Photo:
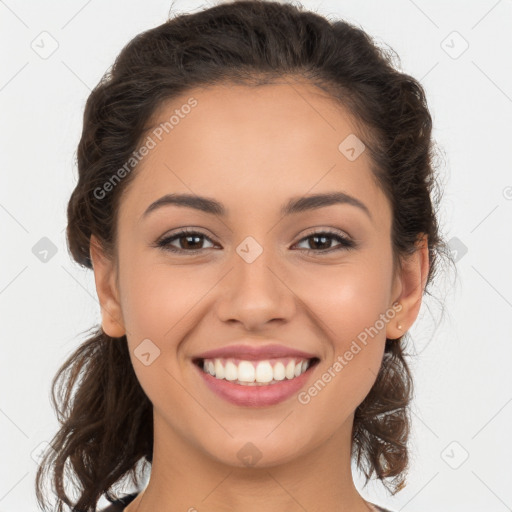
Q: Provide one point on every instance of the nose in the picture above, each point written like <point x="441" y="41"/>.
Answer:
<point x="255" y="293"/>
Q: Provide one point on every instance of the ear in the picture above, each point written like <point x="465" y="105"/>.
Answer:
<point x="409" y="287"/>
<point x="106" y="288"/>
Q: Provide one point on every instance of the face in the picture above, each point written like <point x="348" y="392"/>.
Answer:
<point x="312" y="279"/>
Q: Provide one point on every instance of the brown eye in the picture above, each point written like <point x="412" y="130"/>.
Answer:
<point x="322" y="241"/>
<point x="189" y="241"/>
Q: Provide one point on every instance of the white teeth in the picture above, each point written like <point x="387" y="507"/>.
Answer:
<point x="264" y="372"/>
<point x="254" y="373"/>
<point x="246" y="372"/>
<point x="279" y="372"/>
<point x="219" y="369"/>
<point x="290" y="370"/>
<point x="230" y="371"/>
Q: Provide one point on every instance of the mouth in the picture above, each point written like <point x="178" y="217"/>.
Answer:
<point x="255" y="383"/>
<point x="258" y="373"/>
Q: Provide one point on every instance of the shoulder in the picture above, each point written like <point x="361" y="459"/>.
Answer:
<point x="120" y="504"/>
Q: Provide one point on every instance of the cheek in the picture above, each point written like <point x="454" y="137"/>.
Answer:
<point x="347" y="299"/>
<point x="349" y="304"/>
<point x="158" y="305"/>
<point x="156" y="298"/>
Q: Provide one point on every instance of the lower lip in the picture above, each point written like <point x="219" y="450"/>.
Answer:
<point x="255" y="396"/>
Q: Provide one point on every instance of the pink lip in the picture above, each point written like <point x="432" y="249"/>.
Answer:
<point x="255" y="396"/>
<point x="251" y="352"/>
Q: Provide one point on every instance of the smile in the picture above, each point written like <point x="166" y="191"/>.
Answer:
<point x="255" y="383"/>
<point x="268" y="371"/>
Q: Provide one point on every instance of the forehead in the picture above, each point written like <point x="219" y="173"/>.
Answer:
<point x="252" y="145"/>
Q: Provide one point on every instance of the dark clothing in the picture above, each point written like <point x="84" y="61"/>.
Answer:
<point x="119" y="505"/>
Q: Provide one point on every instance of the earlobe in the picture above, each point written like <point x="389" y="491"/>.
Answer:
<point x="413" y="278"/>
<point x="104" y="277"/>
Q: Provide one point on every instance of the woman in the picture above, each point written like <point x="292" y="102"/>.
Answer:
<point x="256" y="199"/>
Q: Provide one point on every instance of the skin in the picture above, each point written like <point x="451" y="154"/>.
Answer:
<point x="253" y="149"/>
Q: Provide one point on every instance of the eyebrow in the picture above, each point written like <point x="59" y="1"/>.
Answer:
<point x="294" y="205"/>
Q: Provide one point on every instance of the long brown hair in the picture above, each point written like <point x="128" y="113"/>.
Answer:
<point x="106" y="418"/>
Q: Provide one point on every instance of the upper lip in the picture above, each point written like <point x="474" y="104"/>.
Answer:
<point x="254" y="352"/>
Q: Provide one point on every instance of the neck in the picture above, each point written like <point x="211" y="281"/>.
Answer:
<point x="185" y="478"/>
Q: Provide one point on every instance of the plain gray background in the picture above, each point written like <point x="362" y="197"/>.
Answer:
<point x="461" y="53"/>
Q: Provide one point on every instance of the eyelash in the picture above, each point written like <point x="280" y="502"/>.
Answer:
<point x="345" y="243"/>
